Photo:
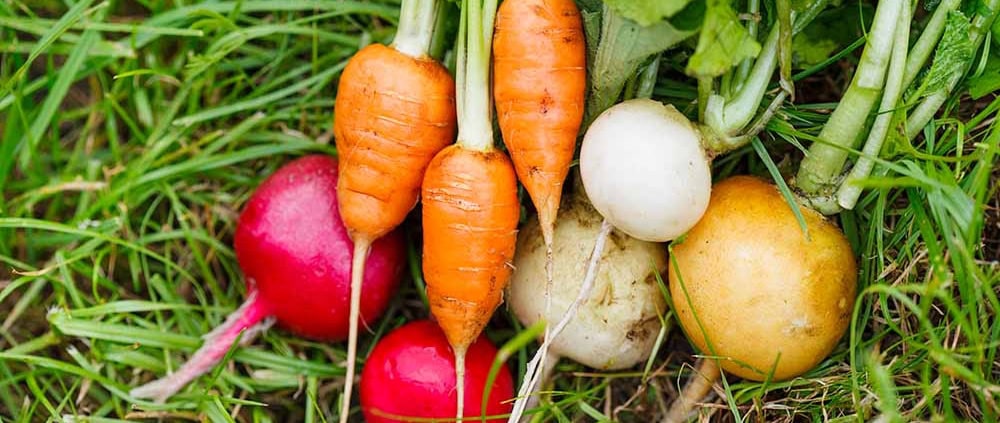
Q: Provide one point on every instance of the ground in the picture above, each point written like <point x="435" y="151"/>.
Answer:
<point x="130" y="147"/>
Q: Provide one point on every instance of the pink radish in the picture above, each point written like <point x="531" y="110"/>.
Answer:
<point x="411" y="374"/>
<point x="296" y="256"/>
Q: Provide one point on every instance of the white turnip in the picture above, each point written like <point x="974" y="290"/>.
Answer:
<point x="617" y="322"/>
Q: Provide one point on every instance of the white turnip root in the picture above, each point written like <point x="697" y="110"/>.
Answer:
<point x="616" y="326"/>
<point x="645" y="170"/>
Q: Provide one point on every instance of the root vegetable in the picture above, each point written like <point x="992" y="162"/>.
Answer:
<point x="752" y="290"/>
<point x="411" y="374"/>
<point x="616" y="326"/>
<point x="644" y="170"/>
<point x="395" y="110"/>
<point x="470" y="206"/>
<point x="296" y="259"/>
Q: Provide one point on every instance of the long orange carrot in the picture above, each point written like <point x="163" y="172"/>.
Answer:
<point x="395" y="110"/>
<point x="540" y="81"/>
<point x="470" y="206"/>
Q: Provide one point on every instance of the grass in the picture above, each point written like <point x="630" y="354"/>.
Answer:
<point x="133" y="133"/>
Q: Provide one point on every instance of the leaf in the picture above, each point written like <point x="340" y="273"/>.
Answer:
<point x="723" y="43"/>
<point x="989" y="81"/>
<point x="953" y="52"/>
<point x="623" y="46"/>
<point x="646" y="12"/>
<point x="828" y="33"/>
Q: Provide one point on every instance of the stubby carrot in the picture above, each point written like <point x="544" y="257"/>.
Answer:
<point x="395" y="110"/>
<point x="539" y="84"/>
<point x="470" y="206"/>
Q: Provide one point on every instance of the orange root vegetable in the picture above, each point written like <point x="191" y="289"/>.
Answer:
<point x="540" y="81"/>
<point x="470" y="206"/>
<point x="470" y="215"/>
<point x="395" y="110"/>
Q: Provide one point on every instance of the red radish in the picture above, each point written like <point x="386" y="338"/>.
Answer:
<point x="411" y="374"/>
<point x="296" y="256"/>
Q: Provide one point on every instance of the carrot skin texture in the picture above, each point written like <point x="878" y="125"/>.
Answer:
<point x="393" y="114"/>
<point x="540" y="81"/>
<point x="470" y="216"/>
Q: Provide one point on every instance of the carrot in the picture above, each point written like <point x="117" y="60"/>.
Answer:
<point x="470" y="206"/>
<point x="395" y="110"/>
<point x="540" y="79"/>
<point x="539" y="60"/>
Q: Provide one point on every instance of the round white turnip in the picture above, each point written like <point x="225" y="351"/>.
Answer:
<point x="644" y="169"/>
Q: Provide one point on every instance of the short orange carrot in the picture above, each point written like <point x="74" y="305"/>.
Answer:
<point x="540" y="83"/>
<point x="395" y="110"/>
<point x="470" y="206"/>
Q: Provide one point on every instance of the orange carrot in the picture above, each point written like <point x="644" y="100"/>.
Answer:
<point x="395" y="110"/>
<point x="540" y="79"/>
<point x="470" y="209"/>
<point x="540" y="60"/>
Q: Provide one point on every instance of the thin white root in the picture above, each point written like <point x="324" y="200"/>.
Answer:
<point x="250" y="319"/>
<point x="460" y="383"/>
<point x="533" y="371"/>
<point x="548" y="369"/>
<point x="361" y="248"/>
<point x="698" y="385"/>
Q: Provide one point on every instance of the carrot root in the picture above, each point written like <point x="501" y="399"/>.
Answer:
<point x="535" y="367"/>
<point x="460" y="382"/>
<point x="697" y="387"/>
<point x="361" y="248"/>
<point x="250" y="320"/>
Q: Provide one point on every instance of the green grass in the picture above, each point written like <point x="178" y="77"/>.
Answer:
<point x="133" y="133"/>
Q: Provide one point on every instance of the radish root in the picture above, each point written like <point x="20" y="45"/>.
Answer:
<point x="698" y="385"/>
<point x="361" y="248"/>
<point x="251" y="319"/>
<point x="534" y="369"/>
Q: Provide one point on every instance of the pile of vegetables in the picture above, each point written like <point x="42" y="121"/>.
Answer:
<point x="760" y="278"/>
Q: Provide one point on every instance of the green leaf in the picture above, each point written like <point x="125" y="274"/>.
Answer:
<point x="646" y="12"/>
<point x="953" y="52"/>
<point x="623" y="47"/>
<point x="989" y="81"/>
<point x="723" y="43"/>
<point x="831" y="31"/>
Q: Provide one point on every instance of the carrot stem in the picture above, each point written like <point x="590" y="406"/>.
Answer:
<point x="249" y="320"/>
<point x="361" y="248"/>
<point x="475" y="107"/>
<point x="416" y="27"/>
<point x="697" y="387"/>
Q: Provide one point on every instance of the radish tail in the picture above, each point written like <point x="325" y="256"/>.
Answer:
<point x="361" y="248"/>
<point x="697" y="387"/>
<point x="460" y="382"/>
<point x="250" y="319"/>
<point x="535" y="367"/>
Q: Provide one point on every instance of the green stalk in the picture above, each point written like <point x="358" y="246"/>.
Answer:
<point x="825" y="160"/>
<point x="726" y="120"/>
<point x="475" y="125"/>
<point x="416" y="27"/>
<point x="985" y="14"/>
<point x="929" y="37"/>
<point x="850" y="190"/>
